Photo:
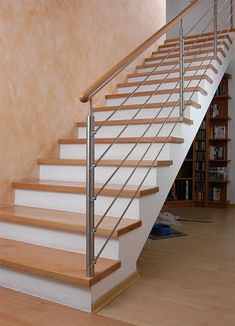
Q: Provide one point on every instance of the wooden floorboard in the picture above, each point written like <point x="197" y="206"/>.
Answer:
<point x="17" y="309"/>
<point x="186" y="281"/>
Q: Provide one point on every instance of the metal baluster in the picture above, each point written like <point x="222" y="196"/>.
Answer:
<point x="90" y="200"/>
<point x="181" y="34"/>
<point x="215" y="27"/>
<point x="231" y="18"/>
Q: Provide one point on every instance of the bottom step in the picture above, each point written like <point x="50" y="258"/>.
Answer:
<point x="60" y="265"/>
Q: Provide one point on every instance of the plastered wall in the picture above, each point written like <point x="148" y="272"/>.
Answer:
<point x="51" y="50"/>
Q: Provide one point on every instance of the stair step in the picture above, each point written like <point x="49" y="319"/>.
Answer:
<point x="80" y="188"/>
<point x="64" y="221"/>
<point x="166" y="80"/>
<point x="173" y="63"/>
<point x="146" y="106"/>
<point x="140" y="122"/>
<point x="59" y="265"/>
<point x="165" y="49"/>
<point x="200" y="38"/>
<point x="159" y="92"/>
<point x="129" y="163"/>
<point x="162" y="72"/>
<point x="128" y="140"/>
<point x="156" y="55"/>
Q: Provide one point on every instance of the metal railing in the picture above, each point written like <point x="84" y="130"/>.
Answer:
<point x="219" y="36"/>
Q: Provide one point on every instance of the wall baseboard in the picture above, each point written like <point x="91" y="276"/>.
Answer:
<point x="115" y="292"/>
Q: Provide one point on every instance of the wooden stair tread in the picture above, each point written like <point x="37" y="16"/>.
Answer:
<point x="140" y="121"/>
<point x="59" y="265"/>
<point x="80" y="187"/>
<point x="176" y="70"/>
<point x="146" y="106"/>
<point x="176" y="55"/>
<point x="201" y="36"/>
<point x="65" y="221"/>
<point x="131" y="163"/>
<point x="173" y="63"/>
<point x="165" y="49"/>
<point x="159" y="92"/>
<point x="124" y="140"/>
<point x="165" y="80"/>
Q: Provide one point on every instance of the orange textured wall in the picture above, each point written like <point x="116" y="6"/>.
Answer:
<point x="50" y="51"/>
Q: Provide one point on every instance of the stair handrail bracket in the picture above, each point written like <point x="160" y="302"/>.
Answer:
<point x="219" y="35"/>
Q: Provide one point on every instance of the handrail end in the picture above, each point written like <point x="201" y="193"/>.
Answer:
<point x="84" y="98"/>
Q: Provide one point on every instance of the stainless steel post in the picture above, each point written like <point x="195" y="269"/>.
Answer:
<point x="90" y="202"/>
<point x="215" y="27"/>
<point x="231" y="9"/>
<point x="181" y="34"/>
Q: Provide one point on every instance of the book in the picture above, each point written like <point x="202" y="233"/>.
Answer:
<point x="217" y="152"/>
<point x="219" y="173"/>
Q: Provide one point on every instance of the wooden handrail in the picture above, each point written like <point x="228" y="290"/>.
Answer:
<point x="116" y="69"/>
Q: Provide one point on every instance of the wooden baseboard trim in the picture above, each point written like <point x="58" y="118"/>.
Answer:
<point x="115" y="292"/>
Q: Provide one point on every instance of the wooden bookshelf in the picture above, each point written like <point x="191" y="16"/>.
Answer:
<point x="204" y="174"/>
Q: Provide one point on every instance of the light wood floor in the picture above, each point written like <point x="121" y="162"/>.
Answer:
<point x="17" y="309"/>
<point x="187" y="281"/>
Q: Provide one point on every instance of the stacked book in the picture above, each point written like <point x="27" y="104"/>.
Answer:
<point x="214" y="110"/>
<point x="214" y="193"/>
<point x="221" y="90"/>
<point x="218" y="132"/>
<point x="217" y="152"/>
<point x="200" y="166"/>
<point x="219" y="173"/>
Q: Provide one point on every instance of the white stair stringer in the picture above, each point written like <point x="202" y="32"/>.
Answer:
<point x="128" y="246"/>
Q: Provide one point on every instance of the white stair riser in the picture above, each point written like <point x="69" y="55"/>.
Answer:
<point x="135" y="131"/>
<point x="163" y="112"/>
<point x="171" y="75"/>
<point x="117" y="151"/>
<point x="191" y="56"/>
<point x="173" y="65"/>
<point x="102" y="173"/>
<point x="154" y="87"/>
<point x="64" y="240"/>
<point x="76" y="202"/>
<point x="188" y="47"/>
<point x="152" y="99"/>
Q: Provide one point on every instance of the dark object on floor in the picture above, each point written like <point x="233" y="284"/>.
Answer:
<point x="194" y="221"/>
<point x="174" y="234"/>
<point x="161" y="229"/>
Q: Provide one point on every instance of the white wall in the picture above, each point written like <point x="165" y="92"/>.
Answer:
<point x="231" y="70"/>
<point x="173" y="7"/>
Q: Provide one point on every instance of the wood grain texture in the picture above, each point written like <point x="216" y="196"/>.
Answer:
<point x="144" y="163"/>
<point x="176" y="62"/>
<point x="188" y="53"/>
<point x="165" y="49"/>
<point x="201" y="37"/>
<point x="163" y="72"/>
<point x="125" y="140"/>
<point x="64" y="221"/>
<point x="146" y="106"/>
<point x="140" y="121"/>
<point x="80" y="187"/>
<point x="193" y="277"/>
<point x="165" y="80"/>
<point x="60" y="265"/>
<point x="159" y="92"/>
<point x="18" y="309"/>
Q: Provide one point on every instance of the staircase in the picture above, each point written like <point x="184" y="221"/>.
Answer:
<point x="45" y="238"/>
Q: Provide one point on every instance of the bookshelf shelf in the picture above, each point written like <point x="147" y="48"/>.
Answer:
<point x="204" y="175"/>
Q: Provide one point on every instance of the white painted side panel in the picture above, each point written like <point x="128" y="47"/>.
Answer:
<point x="62" y="293"/>
<point x="118" y="151"/>
<point x="69" y="241"/>
<point x="102" y="174"/>
<point x="75" y="202"/>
